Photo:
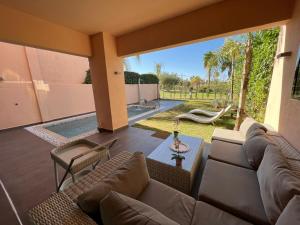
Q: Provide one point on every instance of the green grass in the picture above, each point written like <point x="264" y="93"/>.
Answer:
<point x="186" y="96"/>
<point x="165" y="121"/>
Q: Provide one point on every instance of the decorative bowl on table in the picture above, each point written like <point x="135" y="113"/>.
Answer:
<point x="182" y="147"/>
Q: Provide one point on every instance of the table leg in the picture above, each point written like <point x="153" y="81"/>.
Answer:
<point x="55" y="175"/>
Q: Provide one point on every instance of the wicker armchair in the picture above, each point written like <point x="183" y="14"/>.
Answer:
<point x="61" y="208"/>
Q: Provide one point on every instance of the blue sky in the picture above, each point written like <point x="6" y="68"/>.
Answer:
<point x="184" y="60"/>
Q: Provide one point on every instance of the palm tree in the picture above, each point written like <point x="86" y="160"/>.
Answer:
<point x="211" y="65"/>
<point x="158" y="67"/>
<point x="228" y="56"/>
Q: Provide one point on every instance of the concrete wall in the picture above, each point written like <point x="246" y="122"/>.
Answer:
<point x="283" y="111"/>
<point x="148" y="92"/>
<point x="40" y="85"/>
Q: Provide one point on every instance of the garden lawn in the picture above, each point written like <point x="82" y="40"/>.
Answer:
<point x="164" y="121"/>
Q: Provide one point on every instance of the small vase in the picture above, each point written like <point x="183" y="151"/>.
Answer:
<point x="178" y="162"/>
<point x="176" y="134"/>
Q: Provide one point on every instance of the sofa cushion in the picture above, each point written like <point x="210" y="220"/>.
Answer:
<point x="170" y="202"/>
<point x="277" y="182"/>
<point x="231" y="136"/>
<point x="130" y="179"/>
<point x="120" y="209"/>
<point x="205" y="214"/>
<point x="228" y="153"/>
<point x="254" y="148"/>
<point x="255" y="129"/>
<point x="233" y="189"/>
<point x="246" y="124"/>
<point x="291" y="213"/>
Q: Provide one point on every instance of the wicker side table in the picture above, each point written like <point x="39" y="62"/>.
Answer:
<point x="163" y="169"/>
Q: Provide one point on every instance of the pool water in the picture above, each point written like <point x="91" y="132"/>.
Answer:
<point x="75" y="127"/>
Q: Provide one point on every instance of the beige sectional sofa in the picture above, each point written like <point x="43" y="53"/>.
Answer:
<point x="232" y="192"/>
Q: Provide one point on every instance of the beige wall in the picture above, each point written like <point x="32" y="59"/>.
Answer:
<point x="57" y="91"/>
<point x="283" y="111"/>
<point x="148" y="92"/>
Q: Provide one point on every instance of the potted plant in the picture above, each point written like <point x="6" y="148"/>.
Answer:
<point x="178" y="158"/>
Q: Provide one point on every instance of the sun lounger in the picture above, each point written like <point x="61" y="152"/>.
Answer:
<point x="207" y="112"/>
<point x="201" y="119"/>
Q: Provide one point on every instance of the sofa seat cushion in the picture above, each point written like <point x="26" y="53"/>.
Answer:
<point x="122" y="210"/>
<point x="229" y="153"/>
<point x="231" y="136"/>
<point x="278" y="184"/>
<point x="206" y="214"/>
<point x="291" y="213"/>
<point x="233" y="189"/>
<point x="170" y="202"/>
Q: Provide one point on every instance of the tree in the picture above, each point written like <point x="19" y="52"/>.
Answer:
<point x="195" y="82"/>
<point x="244" y="82"/>
<point x="210" y="64"/>
<point x="158" y="67"/>
<point x="169" y="80"/>
<point x="228" y="56"/>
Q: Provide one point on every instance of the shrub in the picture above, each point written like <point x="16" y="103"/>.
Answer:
<point x="131" y="77"/>
<point x="149" y="79"/>
<point x="88" y="79"/>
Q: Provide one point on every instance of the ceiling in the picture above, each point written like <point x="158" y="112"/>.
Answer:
<point x="113" y="16"/>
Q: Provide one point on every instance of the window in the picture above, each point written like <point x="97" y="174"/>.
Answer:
<point x="296" y="85"/>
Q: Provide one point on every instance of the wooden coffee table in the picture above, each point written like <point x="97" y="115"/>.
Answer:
<point x="162" y="168"/>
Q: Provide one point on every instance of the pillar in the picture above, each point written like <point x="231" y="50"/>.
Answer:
<point x="108" y="83"/>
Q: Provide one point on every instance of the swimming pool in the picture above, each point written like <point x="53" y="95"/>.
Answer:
<point x="70" y="129"/>
<point x="76" y="127"/>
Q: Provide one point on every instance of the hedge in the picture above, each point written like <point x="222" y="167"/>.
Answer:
<point x="133" y="78"/>
<point x="149" y="79"/>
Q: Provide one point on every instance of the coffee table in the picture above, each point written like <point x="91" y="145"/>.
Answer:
<point x="162" y="168"/>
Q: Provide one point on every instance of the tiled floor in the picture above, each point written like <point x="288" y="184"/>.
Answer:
<point x="27" y="171"/>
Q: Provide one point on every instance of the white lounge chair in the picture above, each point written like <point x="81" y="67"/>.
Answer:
<point x="208" y="113"/>
<point x="201" y="119"/>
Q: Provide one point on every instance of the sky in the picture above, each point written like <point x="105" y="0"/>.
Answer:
<point x="184" y="60"/>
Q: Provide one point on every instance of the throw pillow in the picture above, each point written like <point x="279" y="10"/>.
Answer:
<point x="277" y="182"/>
<point x="130" y="179"/>
<point x="254" y="148"/>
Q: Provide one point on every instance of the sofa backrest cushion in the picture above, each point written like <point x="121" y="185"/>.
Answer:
<point x="119" y="209"/>
<point x="246" y="124"/>
<point x="254" y="148"/>
<point x="130" y="179"/>
<point x="255" y="129"/>
<point x="291" y="213"/>
<point x="277" y="182"/>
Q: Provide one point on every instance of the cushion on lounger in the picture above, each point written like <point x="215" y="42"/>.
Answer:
<point x="130" y="179"/>
<point x="254" y="148"/>
<point x="118" y="209"/>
